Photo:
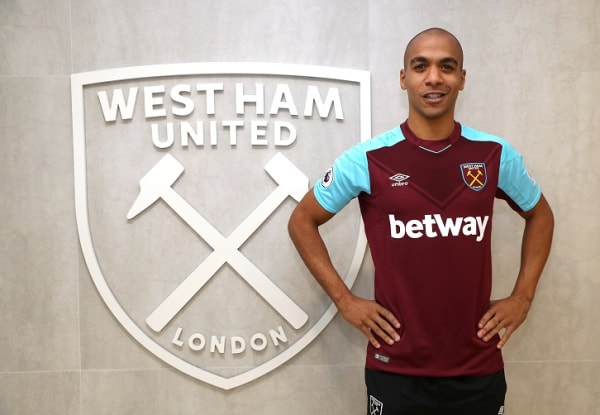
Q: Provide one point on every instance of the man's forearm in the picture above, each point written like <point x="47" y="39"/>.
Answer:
<point x="535" y="249"/>
<point x="509" y="313"/>
<point x="304" y="232"/>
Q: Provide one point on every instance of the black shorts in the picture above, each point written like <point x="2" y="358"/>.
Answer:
<point x="393" y="394"/>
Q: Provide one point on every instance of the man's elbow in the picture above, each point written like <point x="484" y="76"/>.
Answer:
<point x="293" y="221"/>
<point x="307" y="216"/>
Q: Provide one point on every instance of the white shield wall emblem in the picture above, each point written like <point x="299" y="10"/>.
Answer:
<point x="185" y="176"/>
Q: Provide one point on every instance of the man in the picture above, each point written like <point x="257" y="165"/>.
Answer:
<point x="426" y="191"/>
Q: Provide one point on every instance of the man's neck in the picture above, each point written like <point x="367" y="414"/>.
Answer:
<point x="431" y="129"/>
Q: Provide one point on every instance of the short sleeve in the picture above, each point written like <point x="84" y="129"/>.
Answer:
<point x="514" y="180"/>
<point x="345" y="180"/>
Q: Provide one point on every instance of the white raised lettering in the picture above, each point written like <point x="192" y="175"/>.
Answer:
<point x="279" y="125"/>
<point x="283" y="99"/>
<point x="196" y="342"/>
<point x="241" y="99"/>
<point x="187" y="105"/>
<point x="217" y="344"/>
<point x="213" y="132"/>
<point x="152" y="100"/>
<point x="163" y="143"/>
<point x="233" y="126"/>
<point x="233" y="344"/>
<point x="177" y="338"/>
<point x="277" y="336"/>
<point x="238" y="345"/>
<point x="117" y="104"/>
<point x="187" y="132"/>
<point x="258" y="132"/>
<point x="258" y="342"/>
<point x="313" y="97"/>
<point x="210" y="95"/>
<point x="180" y="101"/>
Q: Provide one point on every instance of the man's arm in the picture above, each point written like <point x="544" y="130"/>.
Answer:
<point x="368" y="316"/>
<point x="509" y="313"/>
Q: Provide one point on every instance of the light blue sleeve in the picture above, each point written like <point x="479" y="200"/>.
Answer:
<point x="345" y="180"/>
<point x="349" y="175"/>
<point x="515" y="181"/>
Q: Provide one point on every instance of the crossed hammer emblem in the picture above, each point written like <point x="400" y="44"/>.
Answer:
<point x="475" y="178"/>
<point x="157" y="184"/>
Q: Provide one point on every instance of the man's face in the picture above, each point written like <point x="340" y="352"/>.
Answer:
<point x="433" y="76"/>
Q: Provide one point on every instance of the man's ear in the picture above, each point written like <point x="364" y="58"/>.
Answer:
<point x="403" y="79"/>
<point x="464" y="78"/>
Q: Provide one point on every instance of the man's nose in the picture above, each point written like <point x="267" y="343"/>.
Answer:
<point x="434" y="76"/>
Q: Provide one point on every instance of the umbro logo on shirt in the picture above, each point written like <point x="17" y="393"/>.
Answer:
<point x="399" y="179"/>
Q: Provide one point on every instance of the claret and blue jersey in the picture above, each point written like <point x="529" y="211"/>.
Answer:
<point x="427" y="210"/>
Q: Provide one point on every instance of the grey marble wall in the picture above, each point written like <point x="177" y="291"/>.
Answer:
<point x="533" y="77"/>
